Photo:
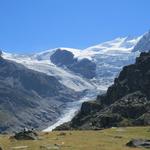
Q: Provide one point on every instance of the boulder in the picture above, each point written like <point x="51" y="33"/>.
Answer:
<point x="139" y="143"/>
<point x="26" y="135"/>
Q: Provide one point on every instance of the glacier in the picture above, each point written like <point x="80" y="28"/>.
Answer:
<point x="109" y="58"/>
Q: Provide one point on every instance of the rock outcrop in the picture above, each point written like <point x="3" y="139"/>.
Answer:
<point x="83" y="67"/>
<point x="62" y="58"/>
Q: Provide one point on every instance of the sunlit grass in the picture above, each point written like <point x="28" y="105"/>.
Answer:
<point x="108" y="139"/>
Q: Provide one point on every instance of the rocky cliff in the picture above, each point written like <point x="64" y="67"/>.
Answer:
<point x="126" y="102"/>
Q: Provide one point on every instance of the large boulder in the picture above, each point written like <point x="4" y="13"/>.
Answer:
<point x="26" y="135"/>
<point x="139" y="143"/>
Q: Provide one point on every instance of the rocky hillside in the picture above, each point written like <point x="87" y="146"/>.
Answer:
<point x="29" y="98"/>
<point x="126" y="103"/>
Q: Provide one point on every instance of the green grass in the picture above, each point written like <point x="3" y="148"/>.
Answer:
<point x="108" y="139"/>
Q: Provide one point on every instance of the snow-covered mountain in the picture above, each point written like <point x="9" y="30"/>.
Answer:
<point x="44" y="65"/>
<point x="109" y="58"/>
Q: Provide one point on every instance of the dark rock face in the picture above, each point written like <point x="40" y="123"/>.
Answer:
<point x="144" y="44"/>
<point x="131" y="106"/>
<point x="126" y="103"/>
<point x="90" y="107"/>
<point x="84" y="67"/>
<point x="63" y="58"/>
<point x="64" y="127"/>
<point x="132" y="78"/>
<point x="29" y="98"/>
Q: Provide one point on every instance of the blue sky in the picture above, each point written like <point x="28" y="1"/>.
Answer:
<point x="28" y="26"/>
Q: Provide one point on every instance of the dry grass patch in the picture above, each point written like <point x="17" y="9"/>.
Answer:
<point x="108" y="139"/>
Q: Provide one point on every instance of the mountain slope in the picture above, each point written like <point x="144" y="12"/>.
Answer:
<point x="29" y="98"/>
<point x="44" y="65"/>
<point x="127" y="101"/>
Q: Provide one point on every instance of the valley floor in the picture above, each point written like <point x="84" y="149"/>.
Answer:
<point x="108" y="139"/>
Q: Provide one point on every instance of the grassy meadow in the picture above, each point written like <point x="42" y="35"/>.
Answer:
<point x="108" y="139"/>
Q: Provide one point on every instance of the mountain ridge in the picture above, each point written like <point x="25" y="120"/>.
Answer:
<point x="41" y="62"/>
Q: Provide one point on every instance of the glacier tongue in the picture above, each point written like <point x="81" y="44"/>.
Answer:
<point x="72" y="109"/>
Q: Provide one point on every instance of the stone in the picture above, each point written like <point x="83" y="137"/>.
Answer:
<point x="26" y="135"/>
<point x="50" y="147"/>
<point x="139" y="143"/>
